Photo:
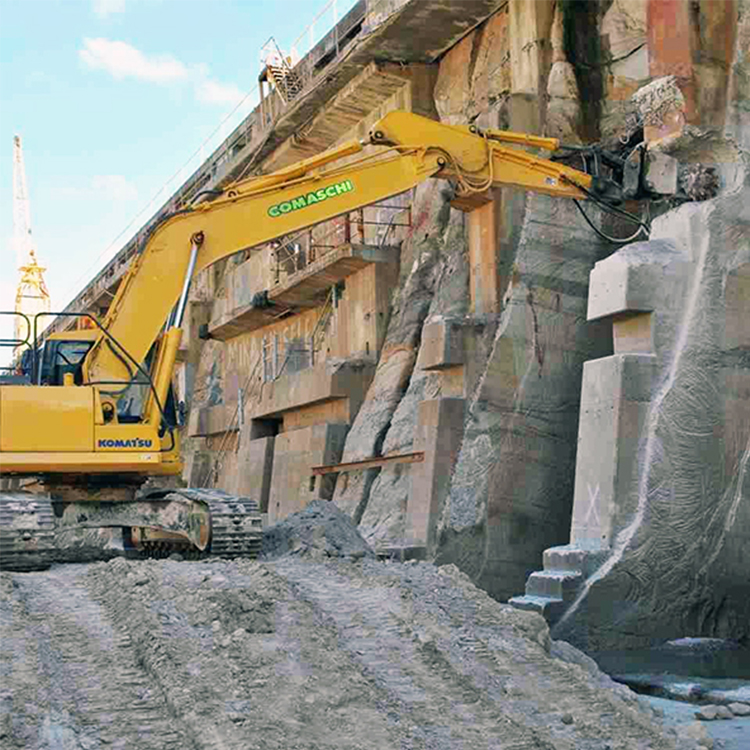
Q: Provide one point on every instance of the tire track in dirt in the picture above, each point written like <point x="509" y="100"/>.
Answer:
<point x="445" y="709"/>
<point x="73" y="680"/>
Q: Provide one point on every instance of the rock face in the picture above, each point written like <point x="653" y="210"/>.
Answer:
<point x="509" y="494"/>
<point x="512" y="484"/>
<point x="374" y="431"/>
<point x="675" y="517"/>
<point x="669" y="563"/>
<point x="545" y="416"/>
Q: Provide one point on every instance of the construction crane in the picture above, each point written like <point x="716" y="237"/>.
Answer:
<point x="32" y="296"/>
<point x="96" y="417"/>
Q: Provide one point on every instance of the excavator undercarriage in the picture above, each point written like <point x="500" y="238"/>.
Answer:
<point x="40" y="528"/>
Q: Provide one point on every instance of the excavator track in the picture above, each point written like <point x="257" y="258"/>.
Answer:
<point x="26" y="531"/>
<point x="236" y="530"/>
<point x="236" y="522"/>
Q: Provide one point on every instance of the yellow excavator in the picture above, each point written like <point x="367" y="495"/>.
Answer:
<point x="94" y="416"/>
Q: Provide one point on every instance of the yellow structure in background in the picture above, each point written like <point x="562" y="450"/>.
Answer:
<point x="32" y="298"/>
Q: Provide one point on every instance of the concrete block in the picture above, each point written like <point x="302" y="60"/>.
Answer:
<point x="293" y="485"/>
<point x="660" y="173"/>
<point x="568" y="557"/>
<point x="615" y="400"/>
<point x="617" y="286"/>
<point x="609" y="379"/>
<point x="255" y="470"/>
<point x="530" y="26"/>
<point x="211" y="420"/>
<point x="442" y="345"/>
<point x="550" y="609"/>
<point x="632" y="333"/>
<point x="557" y="584"/>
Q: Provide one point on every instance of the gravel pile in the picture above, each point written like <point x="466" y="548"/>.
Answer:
<point x="318" y="532"/>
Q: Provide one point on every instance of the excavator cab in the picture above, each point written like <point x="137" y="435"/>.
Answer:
<point x="61" y="357"/>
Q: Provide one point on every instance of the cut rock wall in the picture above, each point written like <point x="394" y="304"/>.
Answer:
<point x="676" y="523"/>
<point x="668" y="384"/>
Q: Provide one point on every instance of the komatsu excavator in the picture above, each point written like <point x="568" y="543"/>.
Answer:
<point x="94" y="418"/>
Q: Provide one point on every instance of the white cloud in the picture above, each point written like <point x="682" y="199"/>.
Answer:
<point x="213" y="92"/>
<point x="121" y="60"/>
<point x="104" y="8"/>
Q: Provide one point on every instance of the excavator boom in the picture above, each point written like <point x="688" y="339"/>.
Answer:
<point x="258" y="210"/>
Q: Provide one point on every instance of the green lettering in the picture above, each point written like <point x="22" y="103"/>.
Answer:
<point x="303" y="201"/>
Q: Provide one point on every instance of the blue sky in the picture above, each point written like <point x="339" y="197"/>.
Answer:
<point x="111" y="98"/>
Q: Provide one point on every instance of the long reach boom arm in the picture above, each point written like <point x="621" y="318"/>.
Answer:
<point x="402" y="150"/>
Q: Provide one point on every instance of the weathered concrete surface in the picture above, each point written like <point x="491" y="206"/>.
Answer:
<point x="439" y="434"/>
<point x="293" y="484"/>
<point x="255" y="470"/>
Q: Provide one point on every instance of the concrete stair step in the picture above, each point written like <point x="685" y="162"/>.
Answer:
<point x="574" y="559"/>
<point x="550" y="591"/>
<point x="550" y="609"/>
<point x="555" y="584"/>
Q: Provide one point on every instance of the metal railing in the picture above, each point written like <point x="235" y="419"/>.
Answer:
<point x="16" y="343"/>
<point x="365" y="226"/>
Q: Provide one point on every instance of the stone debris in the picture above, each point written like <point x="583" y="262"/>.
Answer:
<point x="724" y="713"/>
<point x="318" y="532"/>
<point x="297" y="654"/>
<point x="658" y="98"/>
<point x="711" y="712"/>
<point x="739" y="709"/>
<point x="696" y="732"/>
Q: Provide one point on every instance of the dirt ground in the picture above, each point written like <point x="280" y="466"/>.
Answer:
<point x="294" y="654"/>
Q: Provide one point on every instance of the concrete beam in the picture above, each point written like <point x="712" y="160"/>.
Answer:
<point x="440" y="429"/>
<point x="530" y="50"/>
<point x="484" y="281"/>
<point x="304" y="289"/>
<point x="670" y="46"/>
<point x="442" y="345"/>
